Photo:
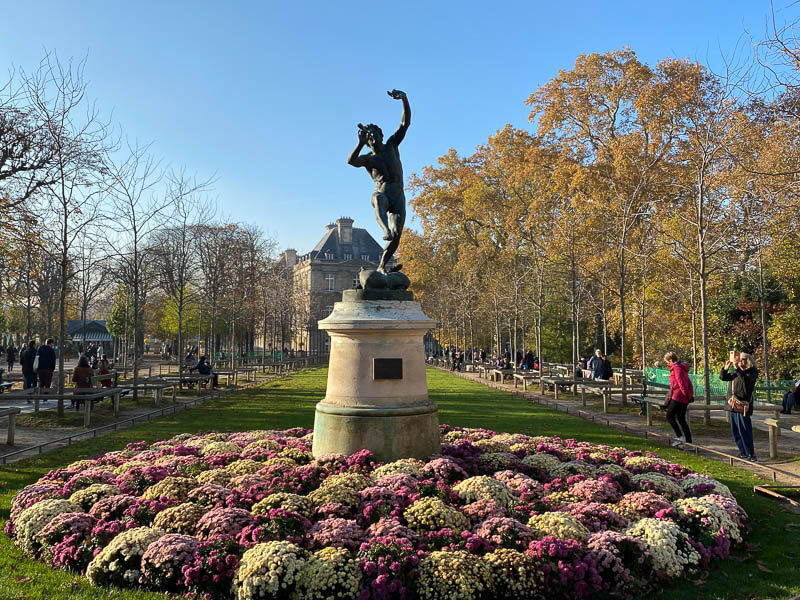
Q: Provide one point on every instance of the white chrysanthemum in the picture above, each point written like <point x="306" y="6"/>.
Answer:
<point x="558" y="524"/>
<point x="120" y="561"/>
<point x="670" y="547"/>
<point x="691" y="481"/>
<point x="269" y="570"/>
<point x="709" y="515"/>
<point x="34" y="518"/>
<point x="485" y="488"/>
<point x="409" y="466"/>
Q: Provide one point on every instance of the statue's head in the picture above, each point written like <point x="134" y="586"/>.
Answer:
<point x="374" y="135"/>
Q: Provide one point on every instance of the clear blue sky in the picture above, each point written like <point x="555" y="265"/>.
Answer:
<point x="267" y="94"/>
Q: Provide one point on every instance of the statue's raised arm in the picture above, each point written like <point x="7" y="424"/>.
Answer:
<point x="405" y="121"/>
<point x="384" y="166"/>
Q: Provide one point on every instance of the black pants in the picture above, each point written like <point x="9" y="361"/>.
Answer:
<point x="676" y="414"/>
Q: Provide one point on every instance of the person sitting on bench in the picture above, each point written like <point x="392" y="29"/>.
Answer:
<point x="80" y="377"/>
<point x="203" y="368"/>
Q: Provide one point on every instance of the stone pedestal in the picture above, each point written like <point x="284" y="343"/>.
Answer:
<point x="377" y="395"/>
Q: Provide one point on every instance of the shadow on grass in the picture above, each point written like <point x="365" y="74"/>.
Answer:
<point x="290" y="403"/>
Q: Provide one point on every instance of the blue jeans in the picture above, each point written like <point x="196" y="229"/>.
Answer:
<point x="742" y="431"/>
<point x="30" y="381"/>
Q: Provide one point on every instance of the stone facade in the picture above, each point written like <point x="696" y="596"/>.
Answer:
<point x="320" y="277"/>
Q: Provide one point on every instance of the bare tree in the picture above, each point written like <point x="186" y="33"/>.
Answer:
<point x="78" y="140"/>
<point x="137" y="213"/>
<point x="175" y="246"/>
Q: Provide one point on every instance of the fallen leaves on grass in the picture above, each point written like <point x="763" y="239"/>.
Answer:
<point x="762" y="566"/>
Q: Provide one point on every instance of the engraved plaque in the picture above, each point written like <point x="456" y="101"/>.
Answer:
<point x="387" y="368"/>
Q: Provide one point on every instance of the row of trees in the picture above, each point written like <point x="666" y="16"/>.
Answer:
<point x="95" y="226"/>
<point x="646" y="208"/>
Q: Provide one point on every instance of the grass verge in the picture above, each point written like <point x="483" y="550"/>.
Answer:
<point x="765" y="569"/>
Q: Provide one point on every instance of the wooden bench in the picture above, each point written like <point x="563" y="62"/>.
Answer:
<point x="557" y="382"/>
<point x="11" y="412"/>
<point x="187" y="379"/>
<point x="775" y="426"/>
<point x="526" y="377"/>
<point x="500" y="375"/>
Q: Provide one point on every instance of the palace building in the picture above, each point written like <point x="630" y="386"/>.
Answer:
<point x="320" y="276"/>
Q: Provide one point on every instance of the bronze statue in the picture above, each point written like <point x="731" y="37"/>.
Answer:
<point x="385" y="168"/>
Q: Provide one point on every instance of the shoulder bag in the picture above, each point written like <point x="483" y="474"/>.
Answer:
<point x="738" y="405"/>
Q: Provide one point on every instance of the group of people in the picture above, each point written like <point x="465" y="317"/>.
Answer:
<point x="38" y="365"/>
<point x="599" y="365"/>
<point x="741" y="376"/>
<point x="523" y="360"/>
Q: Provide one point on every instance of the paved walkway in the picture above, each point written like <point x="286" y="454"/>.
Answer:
<point x="717" y="439"/>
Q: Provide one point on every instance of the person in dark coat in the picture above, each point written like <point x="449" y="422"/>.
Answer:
<point x="26" y="360"/>
<point x="595" y="364"/>
<point x="203" y="368"/>
<point x="680" y="394"/>
<point x="11" y="357"/>
<point x="791" y="398"/>
<point x="47" y="364"/>
<point x="741" y="384"/>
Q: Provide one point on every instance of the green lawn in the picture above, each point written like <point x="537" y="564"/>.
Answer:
<point x="767" y="568"/>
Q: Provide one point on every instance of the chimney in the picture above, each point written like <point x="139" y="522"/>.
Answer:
<point x="345" y="225"/>
<point x="290" y="257"/>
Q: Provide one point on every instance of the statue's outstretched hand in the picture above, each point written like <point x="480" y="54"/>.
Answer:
<point x="397" y="94"/>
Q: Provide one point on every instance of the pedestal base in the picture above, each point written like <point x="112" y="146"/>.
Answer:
<point x="377" y="394"/>
<point x="389" y="433"/>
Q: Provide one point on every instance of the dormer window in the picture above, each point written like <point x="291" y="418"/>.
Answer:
<point x="328" y="256"/>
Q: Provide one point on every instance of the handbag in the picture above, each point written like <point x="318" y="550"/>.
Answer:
<point x="738" y="405"/>
<point x="36" y="363"/>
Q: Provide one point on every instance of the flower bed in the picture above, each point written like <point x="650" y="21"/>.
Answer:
<point x="253" y="516"/>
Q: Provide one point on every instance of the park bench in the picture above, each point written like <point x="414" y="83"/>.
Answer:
<point x="609" y="391"/>
<point x="11" y="412"/>
<point x="188" y="379"/>
<point x="556" y="382"/>
<point x="775" y="426"/>
<point x="500" y="375"/>
<point x="526" y="377"/>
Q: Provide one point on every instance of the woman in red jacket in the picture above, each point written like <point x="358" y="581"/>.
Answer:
<point x="680" y="394"/>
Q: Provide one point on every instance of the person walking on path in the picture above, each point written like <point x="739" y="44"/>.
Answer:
<point x="47" y="364"/>
<point x="11" y="357"/>
<point x="595" y="365"/>
<point x="740" y="385"/>
<point x="681" y="393"/>
<point x="26" y="359"/>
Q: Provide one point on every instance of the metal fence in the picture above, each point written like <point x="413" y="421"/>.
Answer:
<point x="720" y="388"/>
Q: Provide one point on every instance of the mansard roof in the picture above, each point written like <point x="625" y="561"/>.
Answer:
<point x="363" y="244"/>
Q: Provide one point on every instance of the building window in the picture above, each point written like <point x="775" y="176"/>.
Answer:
<point x="365" y="257"/>
<point x="348" y="257"/>
<point x="329" y="279"/>
<point x="356" y="281"/>
<point x="328" y="256"/>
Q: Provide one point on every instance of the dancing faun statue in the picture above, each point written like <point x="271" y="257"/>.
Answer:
<point x="384" y="166"/>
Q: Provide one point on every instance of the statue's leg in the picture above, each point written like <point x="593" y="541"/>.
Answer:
<point x="396" y="223"/>
<point x="380" y="203"/>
